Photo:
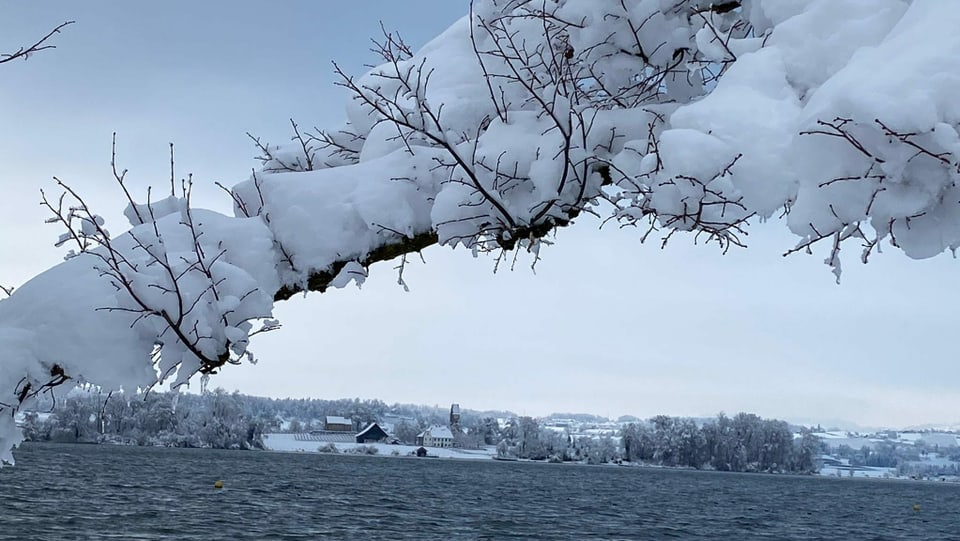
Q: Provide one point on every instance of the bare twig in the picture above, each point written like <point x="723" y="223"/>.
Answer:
<point x="40" y="45"/>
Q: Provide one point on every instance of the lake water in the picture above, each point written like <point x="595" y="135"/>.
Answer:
<point x="63" y="492"/>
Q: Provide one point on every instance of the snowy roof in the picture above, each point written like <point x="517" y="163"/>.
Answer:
<point x="337" y="420"/>
<point x="369" y="427"/>
<point x="438" y="431"/>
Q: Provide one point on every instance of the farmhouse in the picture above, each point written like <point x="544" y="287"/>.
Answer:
<point x="435" y="436"/>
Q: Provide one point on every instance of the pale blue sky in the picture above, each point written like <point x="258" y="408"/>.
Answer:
<point x="606" y="325"/>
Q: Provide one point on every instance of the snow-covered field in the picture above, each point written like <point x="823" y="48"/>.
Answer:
<point x="290" y="443"/>
<point x="918" y="455"/>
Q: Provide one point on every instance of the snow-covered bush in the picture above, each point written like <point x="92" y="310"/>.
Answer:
<point x="837" y="116"/>
<point x="328" y="448"/>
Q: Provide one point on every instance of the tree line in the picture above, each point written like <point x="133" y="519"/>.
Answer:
<point x="743" y="443"/>
<point x="218" y="419"/>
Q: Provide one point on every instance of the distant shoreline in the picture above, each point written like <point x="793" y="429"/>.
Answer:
<point x="955" y="481"/>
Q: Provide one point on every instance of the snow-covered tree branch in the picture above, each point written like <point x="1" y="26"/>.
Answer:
<point x="836" y="116"/>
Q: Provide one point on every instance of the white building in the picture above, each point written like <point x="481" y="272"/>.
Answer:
<point x="435" y="436"/>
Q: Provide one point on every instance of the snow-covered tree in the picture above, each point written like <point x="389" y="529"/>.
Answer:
<point x="744" y="443"/>
<point x="406" y="432"/>
<point x="837" y="117"/>
<point x="528" y="439"/>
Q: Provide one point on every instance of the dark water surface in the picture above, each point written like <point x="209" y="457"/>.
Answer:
<point x="62" y="492"/>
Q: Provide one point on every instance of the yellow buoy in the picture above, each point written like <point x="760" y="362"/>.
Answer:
<point x="916" y="507"/>
<point x="218" y="484"/>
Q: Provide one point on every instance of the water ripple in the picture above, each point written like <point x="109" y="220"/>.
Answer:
<point x="62" y="492"/>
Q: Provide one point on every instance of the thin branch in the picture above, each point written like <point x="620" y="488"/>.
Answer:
<point x="41" y="45"/>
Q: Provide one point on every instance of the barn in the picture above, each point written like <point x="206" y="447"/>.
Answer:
<point x="372" y="434"/>
<point x="335" y="423"/>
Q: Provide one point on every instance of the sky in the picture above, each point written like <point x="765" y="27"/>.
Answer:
<point x="604" y="324"/>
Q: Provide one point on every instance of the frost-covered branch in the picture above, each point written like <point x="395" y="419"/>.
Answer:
<point x="173" y="276"/>
<point x="188" y="295"/>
